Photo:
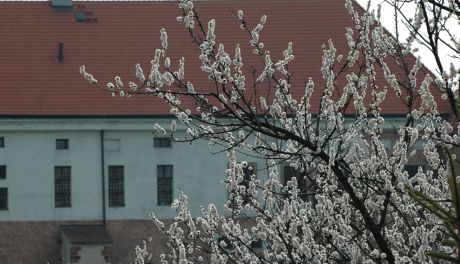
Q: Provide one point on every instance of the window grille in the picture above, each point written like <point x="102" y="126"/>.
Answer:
<point x="62" y="186"/>
<point x="164" y="184"/>
<point x="116" y="186"/>
<point x="62" y="143"/>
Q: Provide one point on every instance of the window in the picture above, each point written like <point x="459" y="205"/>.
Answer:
<point x="62" y="143"/>
<point x="257" y="245"/>
<point x="2" y="172"/>
<point x="225" y="244"/>
<point x="413" y="169"/>
<point x="62" y="187"/>
<point x="248" y="171"/>
<point x="3" y="198"/>
<point x="290" y="172"/>
<point x="164" y="184"/>
<point x="116" y="186"/>
<point x="161" y="142"/>
<point x="2" y="142"/>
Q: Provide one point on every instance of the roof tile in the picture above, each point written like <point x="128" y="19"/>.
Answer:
<point x="34" y="82"/>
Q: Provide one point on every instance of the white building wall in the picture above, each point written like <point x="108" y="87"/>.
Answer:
<point x="195" y="171"/>
<point x="30" y="158"/>
<point x="30" y="155"/>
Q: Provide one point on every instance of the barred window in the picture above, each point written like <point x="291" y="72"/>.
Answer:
<point x="164" y="184"/>
<point x="302" y="185"/>
<point x="62" y="186"/>
<point x="161" y="142"/>
<point x="2" y="172"/>
<point x="62" y="143"/>
<point x="248" y="171"/>
<point x="412" y="169"/>
<point x="116" y="186"/>
<point x="3" y="198"/>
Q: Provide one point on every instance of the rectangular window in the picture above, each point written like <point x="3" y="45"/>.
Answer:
<point x="116" y="186"/>
<point x="2" y="172"/>
<point x="248" y="172"/>
<point x="257" y="244"/>
<point x="165" y="184"/>
<point x="2" y="142"/>
<point x="62" y="186"/>
<point x="3" y="198"/>
<point x="159" y="142"/>
<point x="289" y="173"/>
<point x="224" y="244"/>
<point x="62" y="143"/>
<point x="412" y="170"/>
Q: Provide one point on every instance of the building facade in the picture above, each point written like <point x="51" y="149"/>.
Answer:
<point x="97" y="172"/>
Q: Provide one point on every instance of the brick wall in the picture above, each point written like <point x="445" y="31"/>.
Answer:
<point x="38" y="242"/>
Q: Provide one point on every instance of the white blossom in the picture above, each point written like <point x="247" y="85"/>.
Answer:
<point x="164" y="39"/>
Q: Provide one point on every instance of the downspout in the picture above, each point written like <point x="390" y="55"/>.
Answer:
<point x="103" y="177"/>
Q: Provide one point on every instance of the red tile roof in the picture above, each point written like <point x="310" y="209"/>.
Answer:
<point x="34" y="82"/>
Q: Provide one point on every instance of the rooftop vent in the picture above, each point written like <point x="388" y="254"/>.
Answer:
<point x="80" y="16"/>
<point x="62" y="5"/>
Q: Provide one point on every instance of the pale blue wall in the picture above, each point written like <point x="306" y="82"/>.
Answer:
<point x="30" y="156"/>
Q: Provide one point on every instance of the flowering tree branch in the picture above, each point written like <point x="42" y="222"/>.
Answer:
<point x="349" y="199"/>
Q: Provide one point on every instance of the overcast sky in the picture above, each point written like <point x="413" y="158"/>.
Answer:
<point x="425" y="55"/>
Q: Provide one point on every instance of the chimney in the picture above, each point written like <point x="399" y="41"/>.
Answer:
<point x="61" y="52"/>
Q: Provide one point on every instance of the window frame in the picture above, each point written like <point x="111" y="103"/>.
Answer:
<point x="116" y="185"/>
<point x="62" y="187"/>
<point x="165" y="182"/>
<point x="60" y="141"/>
